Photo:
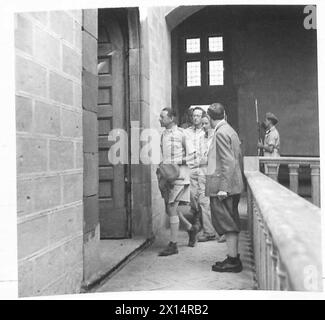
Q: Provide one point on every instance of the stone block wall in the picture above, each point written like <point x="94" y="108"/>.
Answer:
<point x="275" y="61"/>
<point x="49" y="152"/>
<point x="140" y="173"/>
<point x="155" y="88"/>
<point x="92" y="263"/>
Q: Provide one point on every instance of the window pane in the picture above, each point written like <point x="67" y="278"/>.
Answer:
<point x="193" y="45"/>
<point x="193" y="73"/>
<point x="215" y="44"/>
<point x="216" y="73"/>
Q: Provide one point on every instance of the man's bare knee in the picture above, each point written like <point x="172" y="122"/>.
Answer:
<point x="172" y="208"/>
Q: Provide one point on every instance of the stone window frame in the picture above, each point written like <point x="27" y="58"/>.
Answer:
<point x="204" y="56"/>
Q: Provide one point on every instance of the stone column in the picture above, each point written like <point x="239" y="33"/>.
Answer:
<point x="315" y="184"/>
<point x="293" y="175"/>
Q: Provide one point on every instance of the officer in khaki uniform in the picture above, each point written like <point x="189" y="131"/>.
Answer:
<point x="174" y="150"/>
<point x="271" y="145"/>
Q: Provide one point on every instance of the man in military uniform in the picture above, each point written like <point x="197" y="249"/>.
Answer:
<point x="208" y="232"/>
<point x="271" y="145"/>
<point x="174" y="151"/>
<point x="200" y="205"/>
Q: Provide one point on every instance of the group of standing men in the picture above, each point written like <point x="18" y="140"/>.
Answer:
<point x="208" y="157"/>
<point x="210" y="179"/>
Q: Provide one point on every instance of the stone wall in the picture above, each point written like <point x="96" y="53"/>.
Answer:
<point x="138" y="101"/>
<point x="92" y="265"/>
<point x="270" y="57"/>
<point x="156" y="87"/>
<point x="276" y="62"/>
<point x="49" y="152"/>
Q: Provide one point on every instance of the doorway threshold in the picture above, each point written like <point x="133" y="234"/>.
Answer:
<point x="114" y="255"/>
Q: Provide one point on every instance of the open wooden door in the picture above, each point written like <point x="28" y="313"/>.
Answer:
<point x="113" y="197"/>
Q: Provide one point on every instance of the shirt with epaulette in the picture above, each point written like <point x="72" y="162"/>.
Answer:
<point x="272" y="138"/>
<point x="194" y="137"/>
<point x="174" y="150"/>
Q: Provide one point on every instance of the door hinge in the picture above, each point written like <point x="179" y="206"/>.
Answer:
<point x="127" y="184"/>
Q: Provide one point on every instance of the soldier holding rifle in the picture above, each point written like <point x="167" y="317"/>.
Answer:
<point x="271" y="145"/>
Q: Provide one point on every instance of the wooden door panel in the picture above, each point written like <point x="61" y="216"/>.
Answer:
<point x="104" y="127"/>
<point x="104" y="144"/>
<point x="119" y="193"/>
<point x="104" y="95"/>
<point x="113" y="217"/>
<point x="106" y="173"/>
<point x="105" y="81"/>
<point x="105" y="189"/>
<point x="105" y="111"/>
<point x="104" y="49"/>
<point x="111" y="115"/>
<point x="105" y="205"/>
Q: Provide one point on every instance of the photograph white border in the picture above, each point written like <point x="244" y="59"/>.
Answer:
<point x="8" y="223"/>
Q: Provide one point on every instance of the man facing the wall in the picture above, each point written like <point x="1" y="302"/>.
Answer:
<point x="224" y="186"/>
<point x="174" y="153"/>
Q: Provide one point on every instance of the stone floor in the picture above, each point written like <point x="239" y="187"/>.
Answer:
<point x="112" y="252"/>
<point x="189" y="270"/>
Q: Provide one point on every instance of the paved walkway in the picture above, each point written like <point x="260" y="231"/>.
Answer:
<point x="189" y="270"/>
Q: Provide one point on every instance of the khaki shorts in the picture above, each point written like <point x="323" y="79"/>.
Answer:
<point x="179" y="193"/>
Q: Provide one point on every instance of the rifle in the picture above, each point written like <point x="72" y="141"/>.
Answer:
<point x="260" y="151"/>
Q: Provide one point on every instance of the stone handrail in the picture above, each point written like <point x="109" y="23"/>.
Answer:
<point x="286" y="234"/>
<point x="290" y="160"/>
<point x="272" y="165"/>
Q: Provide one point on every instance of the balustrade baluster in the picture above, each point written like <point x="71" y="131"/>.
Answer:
<point x="264" y="255"/>
<point x="261" y="251"/>
<point x="272" y="171"/>
<point x="282" y="276"/>
<point x="277" y="268"/>
<point x="293" y="175"/>
<point x="274" y="257"/>
<point x="315" y="184"/>
<point x="269" y="261"/>
<point x="274" y="267"/>
<point x="250" y="211"/>
<point x="256" y="244"/>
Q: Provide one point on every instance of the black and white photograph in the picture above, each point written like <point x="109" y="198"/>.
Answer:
<point x="164" y="148"/>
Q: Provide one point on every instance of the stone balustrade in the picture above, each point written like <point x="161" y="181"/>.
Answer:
<point x="286" y="233"/>
<point x="272" y="165"/>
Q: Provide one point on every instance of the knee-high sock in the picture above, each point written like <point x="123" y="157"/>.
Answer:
<point x="186" y="223"/>
<point x="174" y="226"/>
<point x="232" y="244"/>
